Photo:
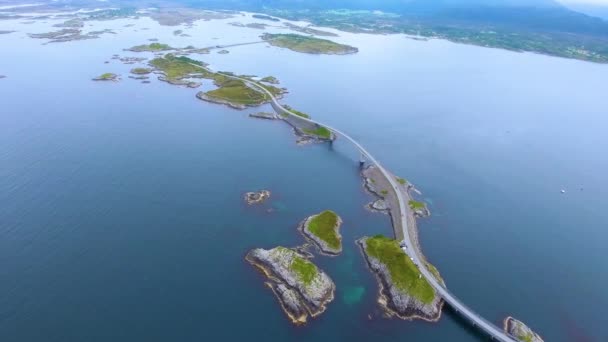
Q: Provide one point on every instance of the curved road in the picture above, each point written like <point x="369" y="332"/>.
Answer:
<point x="475" y="319"/>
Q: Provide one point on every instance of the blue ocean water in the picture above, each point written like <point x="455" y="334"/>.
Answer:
<point x="121" y="214"/>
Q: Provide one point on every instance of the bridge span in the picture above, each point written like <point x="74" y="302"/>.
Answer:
<point x="476" y="320"/>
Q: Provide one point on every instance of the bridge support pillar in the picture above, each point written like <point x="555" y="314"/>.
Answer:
<point x="361" y="160"/>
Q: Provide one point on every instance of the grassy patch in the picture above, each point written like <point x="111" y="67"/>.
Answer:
<point x="305" y="270"/>
<point x="236" y="91"/>
<point x="401" y="181"/>
<point x="141" y="71"/>
<point x="153" y="47"/>
<point x="384" y="192"/>
<point x="528" y="337"/>
<point x="322" y="226"/>
<point x="107" y="76"/>
<point x="319" y="131"/>
<point x="297" y="112"/>
<point x="270" y="79"/>
<point x="179" y="67"/>
<point x="306" y="44"/>
<point x="273" y="90"/>
<point x="416" y="205"/>
<point x="404" y="274"/>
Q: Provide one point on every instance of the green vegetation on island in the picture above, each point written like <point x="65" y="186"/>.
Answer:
<point x="404" y="274"/>
<point x="141" y="71"/>
<point x="232" y="92"/>
<point x="324" y="230"/>
<point x="177" y="67"/>
<point x="236" y="92"/>
<point x="401" y="181"/>
<point x="306" y="44"/>
<point x="516" y="29"/>
<point x="321" y="132"/>
<point x="416" y="205"/>
<point x="297" y="112"/>
<point x="68" y="34"/>
<point x="152" y="47"/>
<point x="520" y="331"/>
<point x="108" y="76"/>
<point x="300" y="286"/>
<point x="270" y="79"/>
<point x="305" y="270"/>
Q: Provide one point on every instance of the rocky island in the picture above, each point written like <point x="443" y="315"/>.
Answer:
<point x="520" y="331"/>
<point x="66" y="35"/>
<point x="152" y="47"/>
<point x="306" y="131"/>
<point x="259" y="26"/>
<point x="300" y="286"/>
<point x="324" y="231"/>
<point x="235" y="94"/>
<point x="404" y="292"/>
<point x="108" y="76"/>
<point x="256" y="197"/>
<point x="270" y="80"/>
<point x="264" y="115"/>
<point x="306" y="44"/>
<point x="232" y="92"/>
<point x="141" y="71"/>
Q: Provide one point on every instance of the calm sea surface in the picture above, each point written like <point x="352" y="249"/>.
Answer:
<point x="121" y="216"/>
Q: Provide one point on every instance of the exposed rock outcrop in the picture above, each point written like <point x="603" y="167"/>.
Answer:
<point x="264" y="115"/>
<point x="520" y="331"/>
<point x="301" y="287"/>
<point x="256" y="197"/>
<point x="203" y="96"/>
<point x="378" y="205"/>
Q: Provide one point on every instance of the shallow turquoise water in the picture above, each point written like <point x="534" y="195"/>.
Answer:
<point x="120" y="204"/>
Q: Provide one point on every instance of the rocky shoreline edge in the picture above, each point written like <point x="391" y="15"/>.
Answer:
<point x="323" y="247"/>
<point x="520" y="330"/>
<point x="299" y="297"/>
<point x="394" y="301"/>
<point x="203" y="96"/>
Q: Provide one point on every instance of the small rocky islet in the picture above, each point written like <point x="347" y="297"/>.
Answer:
<point x="264" y="115"/>
<point x="323" y="230"/>
<point x="300" y="286"/>
<point x="520" y="330"/>
<point x="256" y="197"/>
<point x="108" y="76"/>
